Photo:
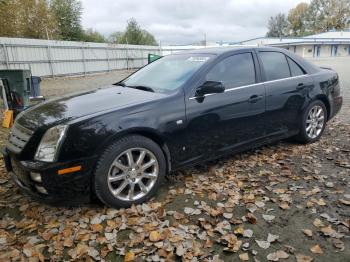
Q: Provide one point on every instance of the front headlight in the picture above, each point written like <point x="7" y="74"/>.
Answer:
<point x="49" y="144"/>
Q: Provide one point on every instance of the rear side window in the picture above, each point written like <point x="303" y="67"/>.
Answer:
<point x="275" y="65"/>
<point x="295" y="69"/>
<point x="234" y="71"/>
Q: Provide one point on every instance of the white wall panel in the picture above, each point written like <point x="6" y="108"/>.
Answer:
<point x="54" y="58"/>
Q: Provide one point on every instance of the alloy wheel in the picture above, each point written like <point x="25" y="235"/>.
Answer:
<point x="133" y="174"/>
<point x="315" y="121"/>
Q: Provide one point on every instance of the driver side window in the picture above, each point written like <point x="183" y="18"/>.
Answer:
<point x="234" y="71"/>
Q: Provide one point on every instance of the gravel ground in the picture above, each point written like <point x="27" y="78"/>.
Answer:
<point x="64" y="85"/>
<point x="283" y="202"/>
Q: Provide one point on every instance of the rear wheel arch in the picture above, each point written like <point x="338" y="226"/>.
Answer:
<point x="325" y="101"/>
<point x="303" y="136"/>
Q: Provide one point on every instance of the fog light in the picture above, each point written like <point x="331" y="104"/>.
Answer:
<point x="41" y="189"/>
<point x="35" y="177"/>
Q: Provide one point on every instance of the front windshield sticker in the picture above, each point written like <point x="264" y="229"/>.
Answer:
<point x="198" y="58"/>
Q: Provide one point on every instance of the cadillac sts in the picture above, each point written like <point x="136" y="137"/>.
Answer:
<point x="119" y="142"/>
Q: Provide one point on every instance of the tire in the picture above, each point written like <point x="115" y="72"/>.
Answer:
<point x="309" y="121"/>
<point x="115" y="177"/>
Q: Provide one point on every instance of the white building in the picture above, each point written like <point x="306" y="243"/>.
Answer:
<point x="320" y="45"/>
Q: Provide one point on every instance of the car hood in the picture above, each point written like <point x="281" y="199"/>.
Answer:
<point x="73" y="106"/>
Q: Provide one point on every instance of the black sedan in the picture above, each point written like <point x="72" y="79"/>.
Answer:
<point x="119" y="142"/>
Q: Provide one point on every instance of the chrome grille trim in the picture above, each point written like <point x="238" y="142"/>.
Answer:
<point x="19" y="136"/>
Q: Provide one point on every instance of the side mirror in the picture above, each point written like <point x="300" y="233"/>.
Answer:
<point x="210" y="87"/>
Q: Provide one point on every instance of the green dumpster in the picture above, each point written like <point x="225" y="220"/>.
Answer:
<point x="17" y="84"/>
<point x="153" y="57"/>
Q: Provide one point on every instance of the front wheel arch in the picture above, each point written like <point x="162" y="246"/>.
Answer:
<point x="102" y="170"/>
<point x="145" y="132"/>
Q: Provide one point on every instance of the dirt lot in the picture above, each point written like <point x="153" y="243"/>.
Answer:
<point x="61" y="86"/>
<point x="283" y="202"/>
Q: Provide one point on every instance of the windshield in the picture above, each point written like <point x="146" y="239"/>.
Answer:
<point x="167" y="73"/>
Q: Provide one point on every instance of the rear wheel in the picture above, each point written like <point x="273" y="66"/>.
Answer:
<point x="313" y="122"/>
<point x="129" y="172"/>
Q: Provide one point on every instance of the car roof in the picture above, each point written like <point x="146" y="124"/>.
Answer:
<point x="219" y="51"/>
<point x="226" y="49"/>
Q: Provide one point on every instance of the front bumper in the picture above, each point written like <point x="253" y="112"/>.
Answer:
<point x="72" y="188"/>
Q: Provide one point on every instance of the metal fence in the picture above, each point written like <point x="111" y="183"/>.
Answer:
<point x="50" y="58"/>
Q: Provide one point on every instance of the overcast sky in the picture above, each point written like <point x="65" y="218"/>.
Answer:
<point x="186" y="22"/>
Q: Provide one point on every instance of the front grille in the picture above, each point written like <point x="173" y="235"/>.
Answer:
<point x="21" y="174"/>
<point x="19" y="136"/>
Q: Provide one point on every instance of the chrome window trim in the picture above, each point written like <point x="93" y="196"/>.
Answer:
<point x="245" y="86"/>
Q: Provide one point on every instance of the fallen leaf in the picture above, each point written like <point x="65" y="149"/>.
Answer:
<point x="338" y="244"/>
<point x="239" y="231"/>
<point x="329" y="231"/>
<point x="318" y="223"/>
<point x="180" y="251"/>
<point x="303" y="258"/>
<point x="233" y="244"/>
<point x="251" y="218"/>
<point x="110" y="236"/>
<point x="307" y="232"/>
<point x="188" y="210"/>
<point x="321" y="202"/>
<point x="272" y="238"/>
<point x="97" y="227"/>
<point x="284" y="206"/>
<point x="329" y="184"/>
<point x="244" y="257"/>
<point x="263" y="244"/>
<point x="154" y="236"/>
<point x="129" y="256"/>
<point x="178" y="215"/>
<point x="316" y="249"/>
<point x="345" y="202"/>
<point x="260" y="204"/>
<point x="68" y="242"/>
<point x="268" y="218"/>
<point x="251" y="207"/>
<point x="248" y="233"/>
<point x="227" y="215"/>
<point x="208" y="243"/>
<point x="275" y="256"/>
<point x="309" y="204"/>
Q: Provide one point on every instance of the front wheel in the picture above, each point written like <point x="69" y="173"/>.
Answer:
<point x="129" y="172"/>
<point x="313" y="122"/>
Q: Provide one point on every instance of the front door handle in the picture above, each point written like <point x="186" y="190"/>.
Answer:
<point x="254" y="98"/>
<point x="300" y="86"/>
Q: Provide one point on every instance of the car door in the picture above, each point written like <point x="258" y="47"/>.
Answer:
<point x="217" y="123"/>
<point x="287" y="85"/>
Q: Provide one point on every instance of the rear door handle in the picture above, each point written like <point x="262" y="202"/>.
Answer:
<point x="254" y="98"/>
<point x="300" y="86"/>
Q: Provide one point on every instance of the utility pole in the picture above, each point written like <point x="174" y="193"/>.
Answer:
<point x="49" y="55"/>
<point x="127" y="53"/>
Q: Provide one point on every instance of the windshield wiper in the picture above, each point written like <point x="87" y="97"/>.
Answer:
<point x="120" y="84"/>
<point x="144" y="88"/>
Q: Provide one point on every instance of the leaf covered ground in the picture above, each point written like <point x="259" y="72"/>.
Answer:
<point x="282" y="202"/>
